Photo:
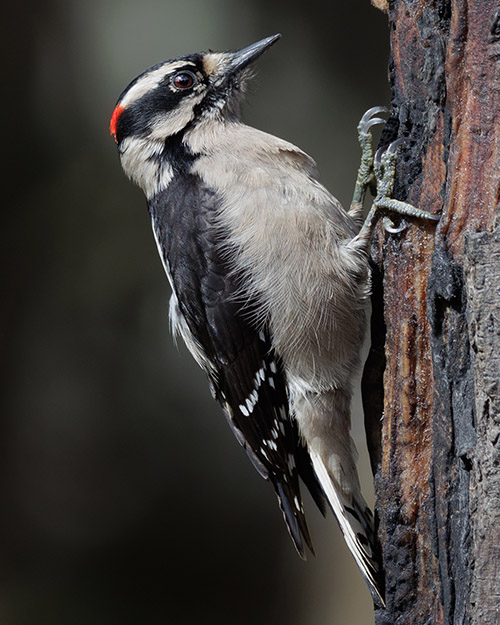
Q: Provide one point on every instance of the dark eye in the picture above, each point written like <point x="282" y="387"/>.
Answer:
<point x="183" y="80"/>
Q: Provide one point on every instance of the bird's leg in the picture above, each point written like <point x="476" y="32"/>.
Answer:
<point x="384" y="169"/>
<point x="366" y="175"/>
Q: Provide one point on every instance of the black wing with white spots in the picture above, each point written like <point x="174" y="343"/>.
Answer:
<point x="245" y="375"/>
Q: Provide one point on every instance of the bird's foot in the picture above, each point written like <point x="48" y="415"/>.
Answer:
<point x="384" y="168"/>
<point x="366" y="174"/>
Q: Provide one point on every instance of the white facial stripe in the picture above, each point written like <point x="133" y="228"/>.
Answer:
<point x="151" y="81"/>
<point x="176" y="119"/>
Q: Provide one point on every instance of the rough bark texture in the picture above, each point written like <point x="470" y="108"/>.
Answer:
<point x="435" y="362"/>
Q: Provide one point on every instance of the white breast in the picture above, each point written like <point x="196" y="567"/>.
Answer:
<point x="291" y="236"/>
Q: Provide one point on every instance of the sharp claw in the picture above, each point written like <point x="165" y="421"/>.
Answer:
<point x="389" y="149"/>
<point x="391" y="228"/>
<point x="393" y="147"/>
<point x="375" y="110"/>
<point x="378" y="155"/>
<point x="372" y="122"/>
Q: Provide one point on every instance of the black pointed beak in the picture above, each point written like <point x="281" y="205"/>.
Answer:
<point x="239" y="59"/>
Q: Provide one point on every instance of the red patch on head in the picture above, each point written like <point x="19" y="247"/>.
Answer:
<point x="114" y="119"/>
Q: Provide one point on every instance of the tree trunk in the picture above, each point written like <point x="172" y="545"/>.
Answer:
<point x="434" y="368"/>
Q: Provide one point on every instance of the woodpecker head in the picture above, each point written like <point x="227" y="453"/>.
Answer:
<point x="172" y="96"/>
<point x="153" y="113"/>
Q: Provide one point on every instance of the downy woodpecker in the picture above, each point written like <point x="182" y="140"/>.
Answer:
<point x="269" y="278"/>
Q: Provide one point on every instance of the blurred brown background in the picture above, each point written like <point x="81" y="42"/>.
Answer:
<point x="124" y="497"/>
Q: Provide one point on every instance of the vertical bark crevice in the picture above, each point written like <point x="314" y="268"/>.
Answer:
<point x="482" y="266"/>
<point x="453" y="429"/>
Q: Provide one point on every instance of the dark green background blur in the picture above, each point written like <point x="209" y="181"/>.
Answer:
<point x="124" y="497"/>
